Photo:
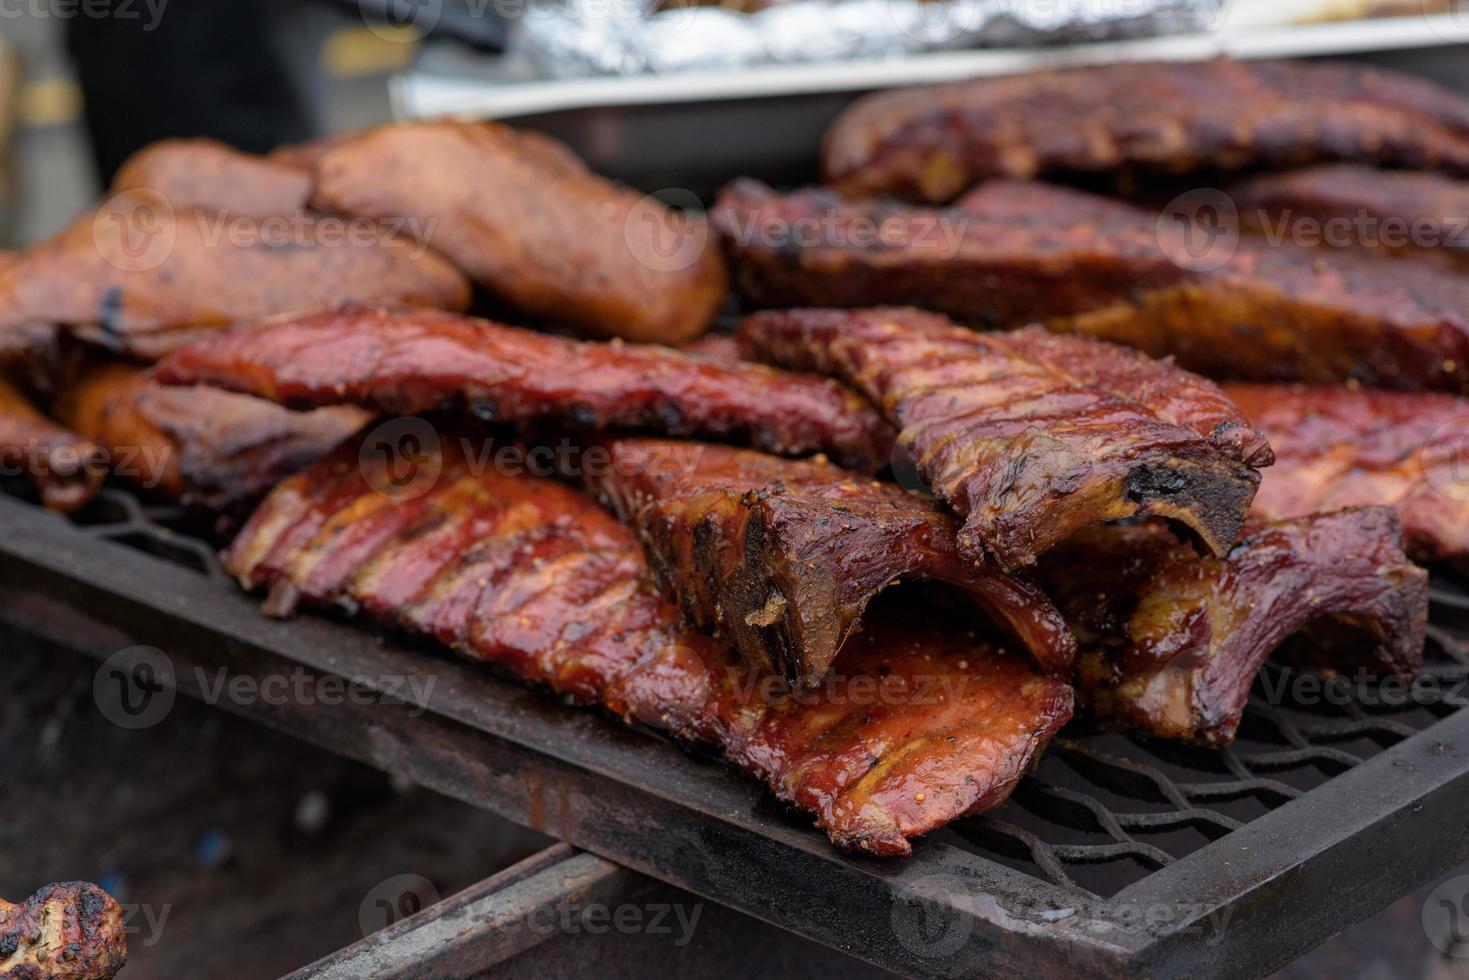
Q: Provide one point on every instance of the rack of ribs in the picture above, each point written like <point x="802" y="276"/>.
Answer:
<point x="1170" y="642"/>
<point x="1223" y="306"/>
<point x="529" y="222"/>
<point x="1337" y="446"/>
<point x="71" y="930"/>
<point x="67" y="469"/>
<point x="930" y="144"/>
<point x="782" y="557"/>
<point x="1031" y="436"/>
<point x="200" y="446"/>
<point x="528" y="574"/>
<point x="409" y="362"/>
<point x="207" y="174"/>
<point x="141" y="277"/>
<point x="1401" y="213"/>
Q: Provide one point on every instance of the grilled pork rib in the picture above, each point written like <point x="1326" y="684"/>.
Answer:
<point x="532" y="576"/>
<point x="204" y="173"/>
<point x="200" y="446"/>
<point x="1015" y="252"/>
<point x="1031" y="436"/>
<point x="67" y="469"/>
<point x="1170" y="642"/>
<point x="782" y="557"/>
<point x="141" y="277"/>
<point x="525" y="219"/>
<point x="930" y="144"/>
<point x="416" y="361"/>
<point x="1337" y="447"/>
<point x="72" y="930"/>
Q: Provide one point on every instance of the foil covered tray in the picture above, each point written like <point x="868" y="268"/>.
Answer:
<point x="579" y="38"/>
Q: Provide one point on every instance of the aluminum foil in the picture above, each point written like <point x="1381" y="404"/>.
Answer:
<point x="578" y="38"/>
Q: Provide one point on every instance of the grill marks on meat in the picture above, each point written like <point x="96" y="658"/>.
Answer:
<point x="1337" y="447"/>
<point x="532" y="576"/>
<point x="1425" y="215"/>
<point x="525" y="219"/>
<point x="71" y="930"/>
<point x="1031" y="436"/>
<point x="930" y="144"/>
<point x="67" y="469"/>
<point x="200" y="446"/>
<point x="783" y="557"/>
<point x="206" y="174"/>
<point x="416" y="361"/>
<point x="140" y="277"/>
<point x="1171" y="642"/>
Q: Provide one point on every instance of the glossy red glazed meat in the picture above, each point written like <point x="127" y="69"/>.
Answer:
<point x="200" y="446"/>
<point x="71" y="930"/>
<point x="782" y="556"/>
<point x="67" y="469"/>
<point x="1171" y="642"/>
<point x="1337" y="446"/>
<point x="925" y="725"/>
<point x="1031" y="436"/>
<point x="412" y="362"/>
<point x="931" y="143"/>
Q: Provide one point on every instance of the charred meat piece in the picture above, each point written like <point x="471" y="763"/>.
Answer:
<point x="72" y="930"/>
<point x="1401" y="213"/>
<point x="140" y="277"/>
<point x="532" y="576"/>
<point x="1170" y="642"/>
<point x="208" y="175"/>
<point x="1338" y="447"/>
<point x="782" y="557"/>
<point x="1031" y="436"/>
<point x="67" y="469"/>
<point x="410" y="362"/>
<point x="524" y="218"/>
<point x="200" y="446"/>
<point x="1021" y="253"/>
<point x="930" y="144"/>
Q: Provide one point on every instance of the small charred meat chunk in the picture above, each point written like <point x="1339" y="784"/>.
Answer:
<point x="930" y="144"/>
<point x="1031" y="436"/>
<point x="67" y="469"/>
<point x="72" y="930"/>
<point x="784" y="556"/>
<point x="527" y="220"/>
<point x="533" y="576"/>
<point x="1170" y="642"/>
<point x="412" y="362"/>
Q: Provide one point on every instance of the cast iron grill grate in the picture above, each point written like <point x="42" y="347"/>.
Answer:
<point x="1103" y="809"/>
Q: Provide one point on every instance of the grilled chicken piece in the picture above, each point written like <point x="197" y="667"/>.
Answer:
<point x="68" y="931"/>
<point x="206" y="174"/>
<point x="929" y="144"/>
<point x="1021" y="252"/>
<point x="1227" y="307"/>
<point x="784" y="556"/>
<point x="1031" y="436"/>
<point x="200" y="446"/>
<point x="1337" y="447"/>
<point x="1423" y="215"/>
<point x="525" y="219"/>
<point x="926" y="724"/>
<point x="67" y="469"/>
<point x="405" y="363"/>
<point x="139" y="277"/>
<point x="1170" y="642"/>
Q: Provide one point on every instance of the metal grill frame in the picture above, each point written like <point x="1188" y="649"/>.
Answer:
<point x="1260" y="894"/>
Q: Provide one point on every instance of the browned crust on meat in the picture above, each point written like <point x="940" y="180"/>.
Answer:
<point x="71" y="930"/>
<point x="1171" y="642"/>
<point x="67" y="469"/>
<point x="207" y="174"/>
